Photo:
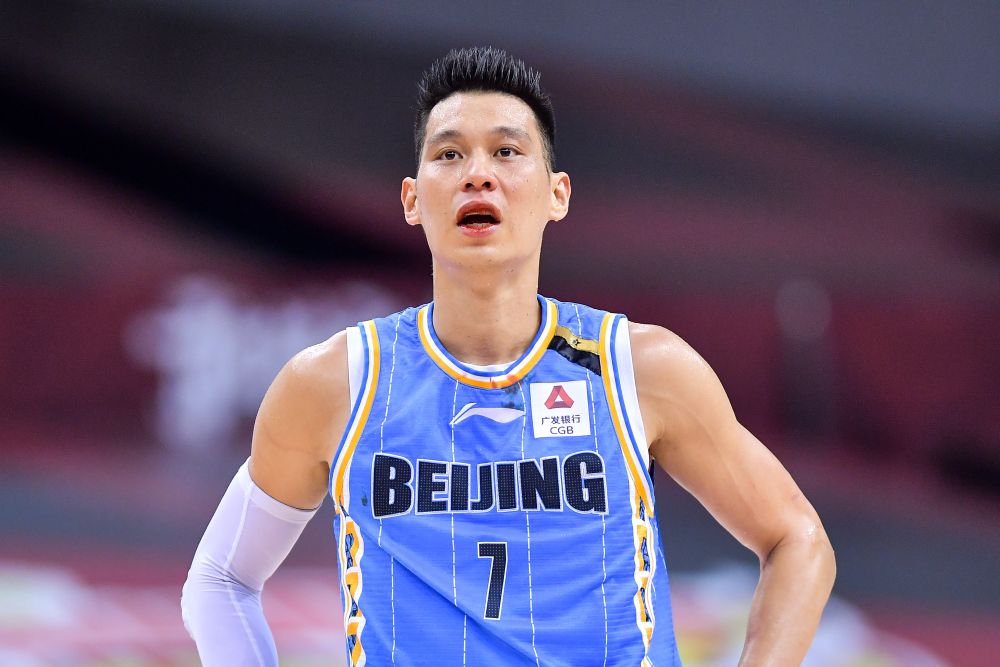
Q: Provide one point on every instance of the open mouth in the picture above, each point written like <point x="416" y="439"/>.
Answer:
<point x="477" y="220"/>
<point x="477" y="216"/>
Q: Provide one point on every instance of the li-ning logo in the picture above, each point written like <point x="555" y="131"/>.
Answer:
<point x="500" y="415"/>
<point x="558" y="398"/>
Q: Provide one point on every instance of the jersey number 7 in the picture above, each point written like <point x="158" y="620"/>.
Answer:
<point x="497" y="553"/>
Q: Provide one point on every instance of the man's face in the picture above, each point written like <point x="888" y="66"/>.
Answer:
<point x="483" y="192"/>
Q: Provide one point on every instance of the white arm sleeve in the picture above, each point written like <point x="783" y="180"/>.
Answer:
<point x="247" y="538"/>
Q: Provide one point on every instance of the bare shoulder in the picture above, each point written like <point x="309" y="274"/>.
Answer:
<point x="674" y="383"/>
<point x="661" y="349"/>
<point x="299" y="423"/>
<point x="308" y="389"/>
<point x="664" y="362"/>
<point x="318" y="372"/>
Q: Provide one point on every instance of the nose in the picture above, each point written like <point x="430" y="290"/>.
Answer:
<point x="479" y="174"/>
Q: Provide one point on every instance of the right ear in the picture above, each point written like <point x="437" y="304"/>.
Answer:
<point x="408" y="197"/>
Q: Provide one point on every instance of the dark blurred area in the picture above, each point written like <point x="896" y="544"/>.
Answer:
<point x="190" y="192"/>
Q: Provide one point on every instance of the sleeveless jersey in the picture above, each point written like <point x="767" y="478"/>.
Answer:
<point x="499" y="517"/>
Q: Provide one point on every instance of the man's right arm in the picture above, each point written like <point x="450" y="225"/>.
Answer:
<point x="299" y="425"/>
<point x="266" y="507"/>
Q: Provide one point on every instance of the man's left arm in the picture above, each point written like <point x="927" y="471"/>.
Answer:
<point x="697" y="440"/>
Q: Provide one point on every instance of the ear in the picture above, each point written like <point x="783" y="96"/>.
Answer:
<point x="559" y="201"/>
<point x="408" y="197"/>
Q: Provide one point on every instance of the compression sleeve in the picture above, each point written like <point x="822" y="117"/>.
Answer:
<point x="250" y="534"/>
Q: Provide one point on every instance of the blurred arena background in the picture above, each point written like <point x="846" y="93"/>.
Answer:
<point x="191" y="191"/>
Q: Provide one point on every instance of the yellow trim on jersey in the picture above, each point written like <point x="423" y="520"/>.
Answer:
<point x="351" y="584"/>
<point x="350" y="576"/>
<point x="353" y="435"/>
<point x="465" y="376"/>
<point x="617" y="414"/>
<point x="640" y="497"/>
<point x="577" y="343"/>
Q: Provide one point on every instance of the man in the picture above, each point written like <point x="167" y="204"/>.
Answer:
<point x="489" y="454"/>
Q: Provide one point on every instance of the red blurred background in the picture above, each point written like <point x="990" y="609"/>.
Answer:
<point x="190" y="193"/>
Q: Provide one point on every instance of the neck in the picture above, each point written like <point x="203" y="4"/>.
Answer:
<point x="486" y="319"/>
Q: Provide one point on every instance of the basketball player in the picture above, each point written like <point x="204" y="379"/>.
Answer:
<point x="490" y="454"/>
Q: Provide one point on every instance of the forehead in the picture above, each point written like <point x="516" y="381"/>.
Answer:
<point x="469" y="112"/>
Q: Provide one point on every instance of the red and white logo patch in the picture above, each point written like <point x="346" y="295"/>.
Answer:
<point x="560" y="409"/>
<point x="558" y="398"/>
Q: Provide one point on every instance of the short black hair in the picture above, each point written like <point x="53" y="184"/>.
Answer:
<point x="487" y="69"/>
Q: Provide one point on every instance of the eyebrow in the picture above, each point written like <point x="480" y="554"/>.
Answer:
<point x="515" y="133"/>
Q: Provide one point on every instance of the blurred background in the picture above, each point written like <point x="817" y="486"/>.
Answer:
<point x="193" y="190"/>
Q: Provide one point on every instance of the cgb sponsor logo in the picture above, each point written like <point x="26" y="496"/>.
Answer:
<point x="560" y="409"/>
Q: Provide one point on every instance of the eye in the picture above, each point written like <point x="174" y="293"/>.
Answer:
<point x="506" y="151"/>
<point x="449" y="155"/>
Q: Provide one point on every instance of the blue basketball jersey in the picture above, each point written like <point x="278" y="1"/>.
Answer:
<point x="499" y="517"/>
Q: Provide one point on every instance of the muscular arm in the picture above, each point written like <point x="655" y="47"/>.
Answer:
<point x="299" y="425"/>
<point x="266" y="508"/>
<point x="696" y="438"/>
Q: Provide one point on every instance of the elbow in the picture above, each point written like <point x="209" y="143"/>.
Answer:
<point x="823" y="558"/>
<point x="830" y="558"/>
<point x="209" y="591"/>
<point x="188" y="595"/>
<point x="810" y="548"/>
<point x="822" y="549"/>
<point x="204" y="588"/>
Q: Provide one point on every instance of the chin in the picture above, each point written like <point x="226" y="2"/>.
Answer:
<point x="485" y="258"/>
